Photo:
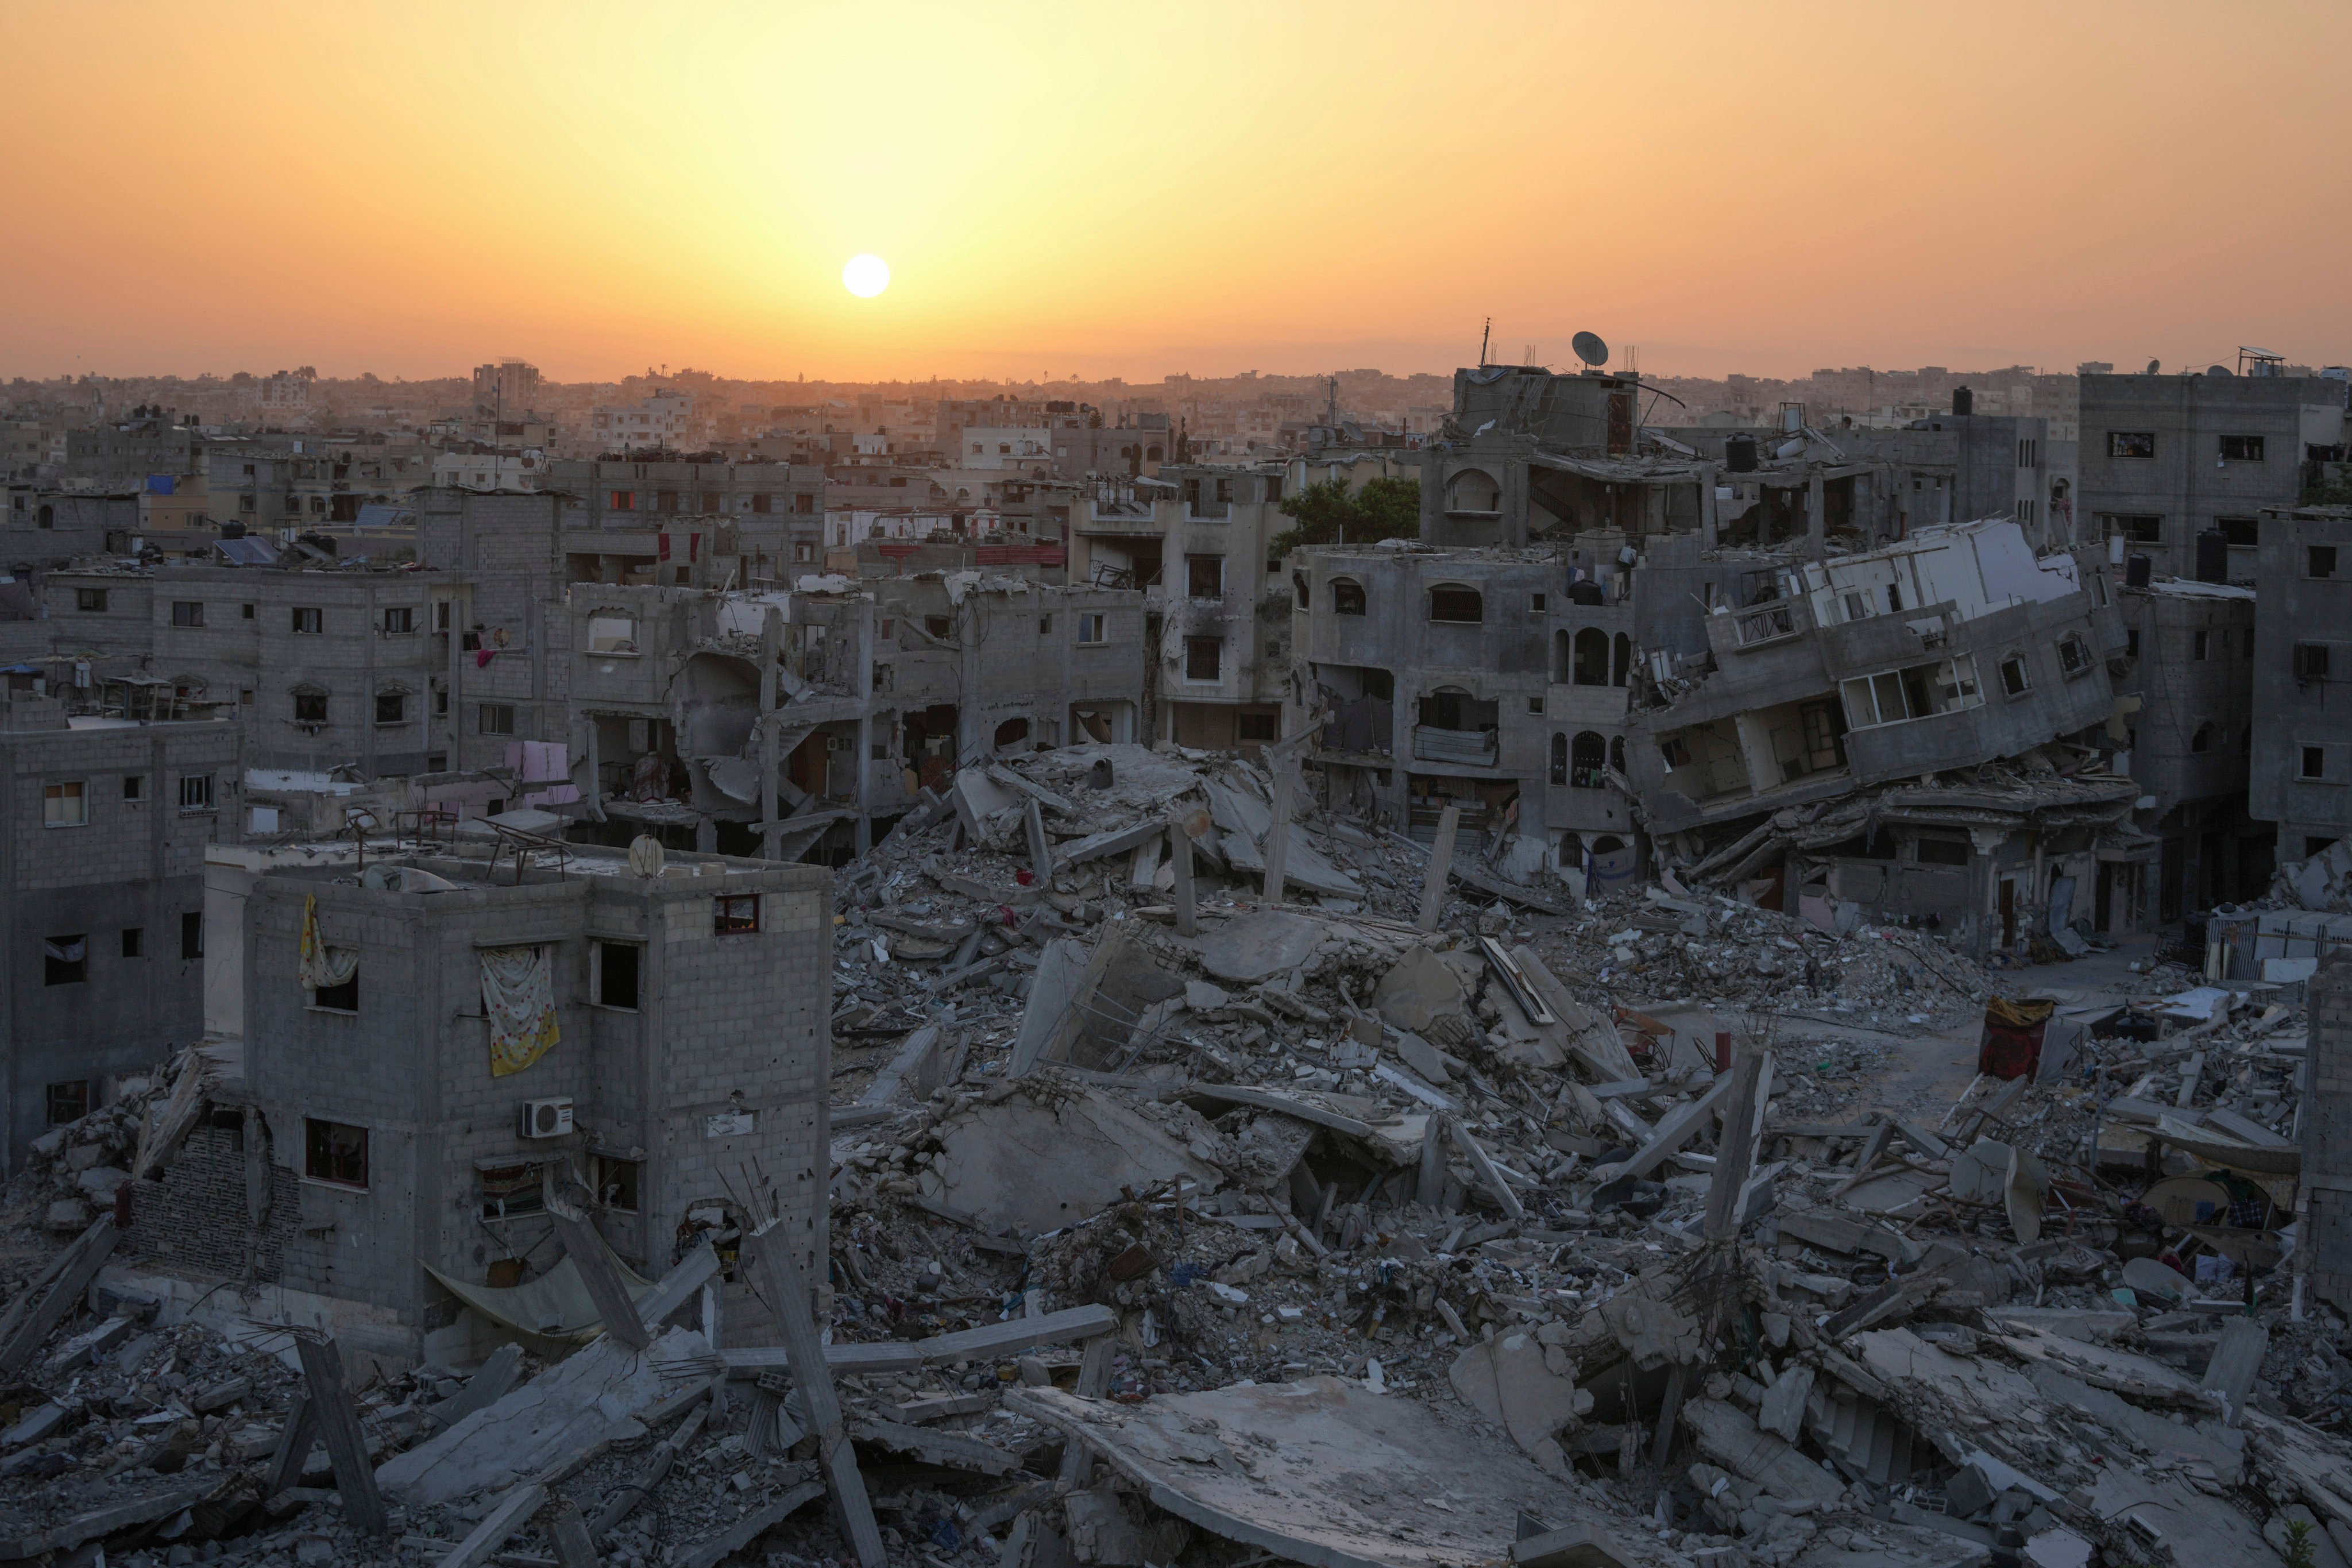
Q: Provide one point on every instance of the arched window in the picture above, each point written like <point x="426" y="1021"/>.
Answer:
<point x="1299" y="586"/>
<point x="1151" y="454"/>
<point x="1592" y="658"/>
<point x="1561" y="658"/>
<point x="1347" y="596"/>
<point x="1617" y="753"/>
<point x="1623" y="664"/>
<point x="48" y="519"/>
<point x="1588" y="760"/>
<point x="1559" y="759"/>
<point x="1472" y="490"/>
<point x="1458" y="602"/>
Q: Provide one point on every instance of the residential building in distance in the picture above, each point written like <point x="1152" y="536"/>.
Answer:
<point x="505" y="389"/>
<point x="2299" y="775"/>
<point x="102" y="898"/>
<point x="662" y="421"/>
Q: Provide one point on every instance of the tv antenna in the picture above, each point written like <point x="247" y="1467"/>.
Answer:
<point x="1485" y="332"/>
<point x="1589" y="349"/>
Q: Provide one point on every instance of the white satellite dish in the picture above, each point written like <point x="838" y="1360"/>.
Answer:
<point x="1590" y="348"/>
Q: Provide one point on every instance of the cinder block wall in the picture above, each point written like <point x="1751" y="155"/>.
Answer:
<point x="2327" y="1235"/>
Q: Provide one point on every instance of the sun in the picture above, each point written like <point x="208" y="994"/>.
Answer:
<point x="866" y="275"/>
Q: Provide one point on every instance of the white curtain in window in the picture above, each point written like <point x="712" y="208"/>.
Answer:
<point x="323" y="966"/>
<point x="519" y="994"/>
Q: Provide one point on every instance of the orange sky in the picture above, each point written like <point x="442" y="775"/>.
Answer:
<point x="411" y="188"/>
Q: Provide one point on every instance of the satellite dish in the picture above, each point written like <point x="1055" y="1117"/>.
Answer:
<point x="2220" y="370"/>
<point x="1590" y="348"/>
<point x="2153" y="365"/>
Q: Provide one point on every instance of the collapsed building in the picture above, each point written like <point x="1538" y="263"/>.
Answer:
<point x="1607" y="651"/>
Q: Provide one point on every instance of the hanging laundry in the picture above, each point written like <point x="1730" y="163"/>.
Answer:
<point x="324" y="967"/>
<point x="519" y="994"/>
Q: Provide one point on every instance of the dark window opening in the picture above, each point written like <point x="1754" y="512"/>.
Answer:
<point x="2315" y="762"/>
<point x="1347" y="596"/>
<point x="2319" y="561"/>
<point x="187" y="613"/>
<point x="1204" y="576"/>
<point x="1464" y="606"/>
<point x="65" y="959"/>
<point x="1204" y="659"/>
<point x="2311" y="661"/>
<point x="2140" y="444"/>
<point x="1588" y="760"/>
<point x="335" y="1151"/>
<point x="616" y="974"/>
<point x="310" y="708"/>
<point x="68" y="1103"/>
<point x="1941" y="851"/>
<point x="1256" y="727"/>
<point x="134" y="942"/>
<point x="2242" y="448"/>
<point x="2239" y="532"/>
<point x="191" y="934"/>
<point x="733" y="913"/>
<point x="617" y="1182"/>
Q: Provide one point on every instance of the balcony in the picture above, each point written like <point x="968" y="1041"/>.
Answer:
<point x="1769" y="623"/>
<point x="1463" y="748"/>
<point x="1139" y="522"/>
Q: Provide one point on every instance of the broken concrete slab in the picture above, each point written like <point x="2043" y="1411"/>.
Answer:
<point x="1729" y="1436"/>
<point x="1508" y="1380"/>
<point x="1039" y="1161"/>
<point x="561" y="1410"/>
<point x="1258" y="946"/>
<point x="1318" y="1471"/>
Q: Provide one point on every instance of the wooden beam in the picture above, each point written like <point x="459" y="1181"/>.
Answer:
<point x="59" y="1291"/>
<point x="339" y="1428"/>
<point x="787" y="1293"/>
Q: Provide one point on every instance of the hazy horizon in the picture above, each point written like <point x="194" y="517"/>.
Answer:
<point x="404" y="190"/>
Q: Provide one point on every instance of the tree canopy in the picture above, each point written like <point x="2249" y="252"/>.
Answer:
<point x="1329" y="513"/>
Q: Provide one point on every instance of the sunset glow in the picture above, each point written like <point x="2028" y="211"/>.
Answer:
<point x="401" y="188"/>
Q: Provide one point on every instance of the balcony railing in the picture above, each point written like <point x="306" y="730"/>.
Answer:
<point x="1476" y="747"/>
<point x="1771" y="623"/>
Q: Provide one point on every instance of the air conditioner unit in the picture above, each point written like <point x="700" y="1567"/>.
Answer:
<point x="547" y="1118"/>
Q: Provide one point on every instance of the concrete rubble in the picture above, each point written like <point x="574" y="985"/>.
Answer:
<point x="1216" y="1186"/>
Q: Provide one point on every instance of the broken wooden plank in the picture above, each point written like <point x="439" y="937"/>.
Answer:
<point x="986" y="1342"/>
<point x="339" y="1428"/>
<point x="787" y="1293"/>
<point x="601" y="1272"/>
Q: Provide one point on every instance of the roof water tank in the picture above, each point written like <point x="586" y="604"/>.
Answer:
<point x="1739" y="454"/>
<point x="1963" y="400"/>
<point x="2212" y="555"/>
<point x="2139" y="570"/>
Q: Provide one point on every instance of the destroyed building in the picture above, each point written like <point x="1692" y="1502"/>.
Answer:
<point x="101" y="901"/>
<point x="408" y="1057"/>
<point x="669" y="521"/>
<point x="1217" y="612"/>
<point x="770" y="723"/>
<point x="1824" y="679"/>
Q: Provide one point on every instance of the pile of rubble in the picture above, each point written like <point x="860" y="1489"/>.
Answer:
<point x="1408" y="1218"/>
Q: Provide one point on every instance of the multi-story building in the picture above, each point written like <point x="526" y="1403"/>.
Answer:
<point x="661" y="421"/>
<point x="505" y="390"/>
<point x="2167" y="459"/>
<point x="104" y="823"/>
<point x="278" y="483"/>
<point x="658" y="521"/>
<point x="1198" y="541"/>
<point x="2300" y="776"/>
<point x="473" y="1026"/>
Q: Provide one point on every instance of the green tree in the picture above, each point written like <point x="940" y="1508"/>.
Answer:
<point x="1329" y="513"/>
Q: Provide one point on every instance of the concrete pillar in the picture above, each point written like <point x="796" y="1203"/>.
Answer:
<point x="771" y="646"/>
<point x="1709" y="517"/>
<point x="1816" y="517"/>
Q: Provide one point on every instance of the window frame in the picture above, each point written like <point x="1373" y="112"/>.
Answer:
<point x="53" y="968"/>
<point x="2131" y="445"/>
<point x="1096" y="621"/>
<point x="306" y="621"/>
<point x="318" y="1133"/>
<point x="727" y="917"/>
<point x="57" y="790"/>
<point x="1193" y="647"/>
<point x="636" y="952"/>
<point x="188" y="614"/>
<point x="203" y="796"/>
<point x="482" y="711"/>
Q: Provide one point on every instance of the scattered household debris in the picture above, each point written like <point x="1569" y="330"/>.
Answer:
<point x="1171" y="1224"/>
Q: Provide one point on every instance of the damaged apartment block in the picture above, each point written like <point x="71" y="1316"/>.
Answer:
<point x="405" y="1061"/>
